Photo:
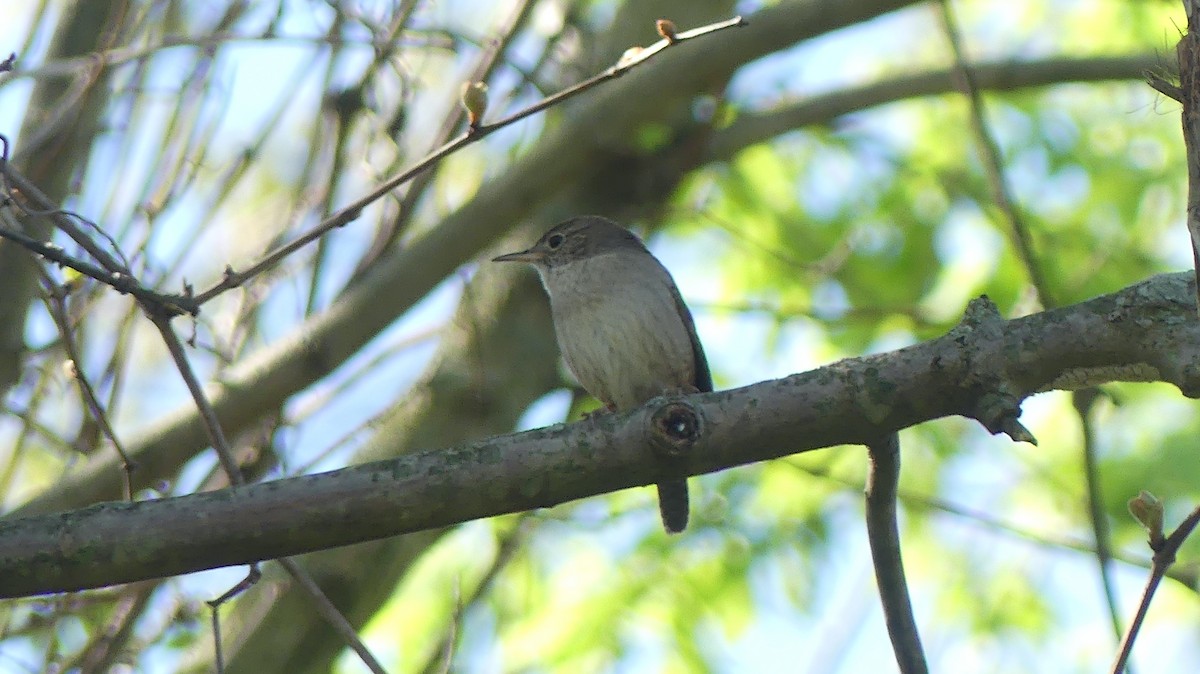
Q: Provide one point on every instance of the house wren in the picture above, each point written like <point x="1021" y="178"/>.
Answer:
<point x="621" y="324"/>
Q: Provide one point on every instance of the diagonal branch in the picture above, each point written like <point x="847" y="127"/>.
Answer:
<point x="57" y="304"/>
<point x="1165" y="549"/>
<point x="993" y="165"/>
<point x="233" y="279"/>
<point x="118" y="275"/>
<point x="487" y="63"/>
<point x="229" y="464"/>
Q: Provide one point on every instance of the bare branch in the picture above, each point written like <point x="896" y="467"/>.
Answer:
<point x="331" y="614"/>
<point x="57" y="302"/>
<point x="1165" y="550"/>
<point x="883" y="533"/>
<point x="1084" y="400"/>
<point x="993" y="165"/>
<point x="1188" y="53"/>
<point x="233" y="279"/>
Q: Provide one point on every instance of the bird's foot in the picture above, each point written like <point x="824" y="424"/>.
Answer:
<point x="599" y="412"/>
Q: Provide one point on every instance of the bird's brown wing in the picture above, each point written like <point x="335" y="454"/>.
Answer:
<point x="703" y="381"/>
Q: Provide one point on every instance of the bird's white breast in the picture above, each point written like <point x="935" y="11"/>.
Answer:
<point x="619" y="327"/>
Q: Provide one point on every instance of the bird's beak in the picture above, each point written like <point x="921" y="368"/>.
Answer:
<point x="531" y="255"/>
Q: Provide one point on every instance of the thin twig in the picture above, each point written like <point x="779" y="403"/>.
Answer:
<point x="993" y="166"/>
<point x="331" y="614"/>
<point x="1164" y="557"/>
<point x="225" y="453"/>
<point x="57" y="302"/>
<point x="883" y="533"/>
<point x="1165" y="87"/>
<point x="253" y="574"/>
<point x="220" y="445"/>
<point x="1188" y="54"/>
<point x="212" y="425"/>
<point x="18" y="192"/>
<point x="233" y="279"/>
<point x="1084" y="400"/>
<point x="30" y="192"/>
<point x="509" y="545"/>
<point x="218" y="652"/>
<point x="482" y="71"/>
<point x="119" y="281"/>
<point x="985" y="519"/>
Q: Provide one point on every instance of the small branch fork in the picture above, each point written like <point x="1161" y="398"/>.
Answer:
<point x="1149" y="512"/>
<point x="18" y="193"/>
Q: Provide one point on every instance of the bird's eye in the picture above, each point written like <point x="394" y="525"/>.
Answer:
<point x="554" y="241"/>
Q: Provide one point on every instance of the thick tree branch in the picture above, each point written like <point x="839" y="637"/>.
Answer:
<point x="983" y="368"/>
<point x="760" y="127"/>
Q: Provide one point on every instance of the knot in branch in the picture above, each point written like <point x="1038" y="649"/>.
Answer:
<point x="997" y="401"/>
<point x="1189" y="380"/>
<point x="1000" y="413"/>
<point x="674" y="429"/>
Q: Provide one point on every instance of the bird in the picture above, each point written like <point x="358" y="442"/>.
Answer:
<point x="621" y="324"/>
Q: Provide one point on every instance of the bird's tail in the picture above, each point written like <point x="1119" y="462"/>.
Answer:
<point x="673" y="505"/>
